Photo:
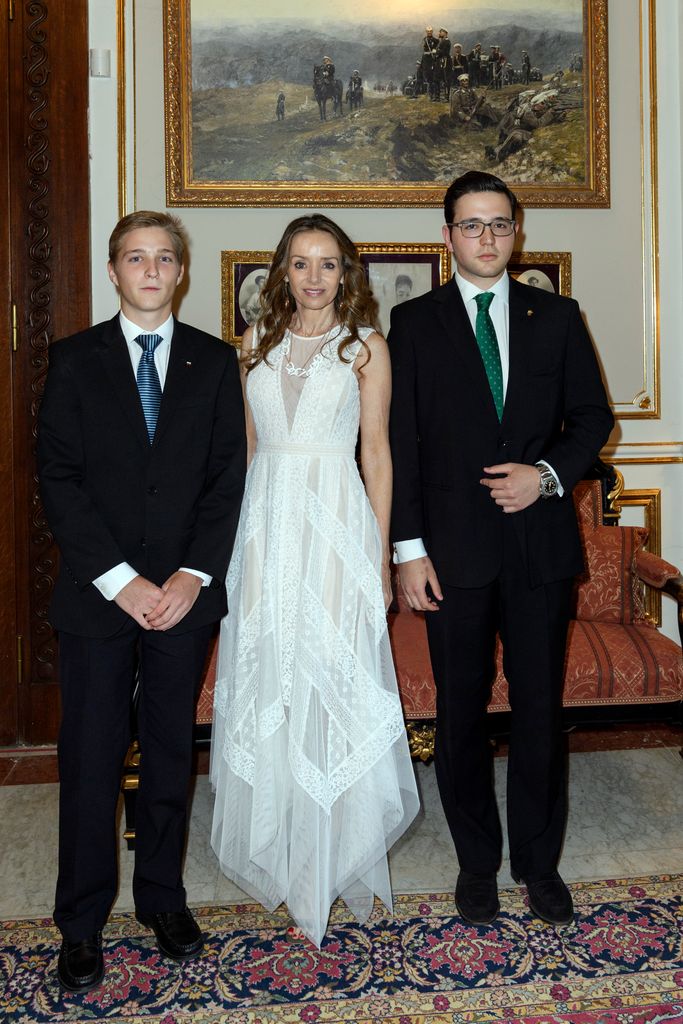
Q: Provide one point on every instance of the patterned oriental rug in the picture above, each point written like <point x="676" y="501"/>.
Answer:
<point x="621" y="962"/>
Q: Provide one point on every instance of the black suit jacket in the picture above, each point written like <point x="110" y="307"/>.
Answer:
<point x="444" y="430"/>
<point x="111" y="497"/>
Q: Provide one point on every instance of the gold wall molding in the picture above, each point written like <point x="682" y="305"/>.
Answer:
<point x="643" y="452"/>
<point x="650" y="500"/>
<point x="126" y="126"/>
<point x="121" y="103"/>
<point x="645" y="402"/>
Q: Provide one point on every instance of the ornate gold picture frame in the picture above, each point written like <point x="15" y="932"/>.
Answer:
<point x="549" y="270"/>
<point x="247" y="125"/>
<point x="400" y="271"/>
<point x="243" y="272"/>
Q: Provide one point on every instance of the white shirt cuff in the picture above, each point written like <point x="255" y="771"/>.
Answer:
<point x="206" y="580"/>
<point x="560" y="488"/>
<point x="112" y="582"/>
<point x="407" y="550"/>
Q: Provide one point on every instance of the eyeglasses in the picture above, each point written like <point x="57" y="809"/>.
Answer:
<point x="500" y="227"/>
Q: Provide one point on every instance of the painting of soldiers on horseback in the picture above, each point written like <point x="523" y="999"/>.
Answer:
<point x="350" y="98"/>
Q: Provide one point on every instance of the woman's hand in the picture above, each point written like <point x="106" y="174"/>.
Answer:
<point x="386" y="584"/>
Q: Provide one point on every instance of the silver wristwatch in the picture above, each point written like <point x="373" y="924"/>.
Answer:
<point x="548" y="484"/>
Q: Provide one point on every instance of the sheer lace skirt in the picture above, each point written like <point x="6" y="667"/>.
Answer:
<point x="310" y="761"/>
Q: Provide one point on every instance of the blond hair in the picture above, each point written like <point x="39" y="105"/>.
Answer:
<point x="148" y="219"/>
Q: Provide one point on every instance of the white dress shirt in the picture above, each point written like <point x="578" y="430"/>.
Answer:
<point x="499" y="311"/>
<point x="161" y="352"/>
<point x="114" y="580"/>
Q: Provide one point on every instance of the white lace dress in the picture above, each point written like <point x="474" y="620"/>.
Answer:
<point x="309" y="758"/>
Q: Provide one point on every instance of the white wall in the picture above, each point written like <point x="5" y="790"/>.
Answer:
<point x="609" y="247"/>
<point x="104" y="202"/>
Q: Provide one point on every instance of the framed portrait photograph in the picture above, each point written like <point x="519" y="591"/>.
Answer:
<point x="551" y="271"/>
<point x="398" y="271"/>
<point x="243" y="273"/>
<point x="347" y="105"/>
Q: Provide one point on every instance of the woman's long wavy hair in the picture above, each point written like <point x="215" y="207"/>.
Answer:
<point x="355" y="305"/>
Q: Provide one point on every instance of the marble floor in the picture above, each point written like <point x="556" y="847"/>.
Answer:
<point x="625" y="819"/>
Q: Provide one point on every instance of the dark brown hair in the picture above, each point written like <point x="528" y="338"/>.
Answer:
<point x="475" y="181"/>
<point x="148" y="219"/>
<point x="354" y="304"/>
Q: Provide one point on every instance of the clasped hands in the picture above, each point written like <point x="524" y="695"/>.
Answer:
<point x="161" y="607"/>
<point x="514" y="487"/>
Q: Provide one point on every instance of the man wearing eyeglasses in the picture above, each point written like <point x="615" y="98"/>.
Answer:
<point x="498" y="410"/>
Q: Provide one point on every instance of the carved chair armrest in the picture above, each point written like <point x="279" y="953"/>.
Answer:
<point x="654" y="570"/>
<point x="664" y="576"/>
<point x="674" y="587"/>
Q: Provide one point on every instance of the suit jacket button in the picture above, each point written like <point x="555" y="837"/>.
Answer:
<point x="152" y="490"/>
<point x="143" y="543"/>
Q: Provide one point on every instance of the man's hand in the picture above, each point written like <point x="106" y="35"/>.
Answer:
<point x="414" y="576"/>
<point x="139" y="599"/>
<point x="180" y="591"/>
<point x="517" y="489"/>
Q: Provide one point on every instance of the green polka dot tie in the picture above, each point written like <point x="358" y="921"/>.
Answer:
<point x="488" y="346"/>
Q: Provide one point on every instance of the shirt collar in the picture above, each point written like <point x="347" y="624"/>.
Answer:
<point x="131" y="330"/>
<point x="468" y="290"/>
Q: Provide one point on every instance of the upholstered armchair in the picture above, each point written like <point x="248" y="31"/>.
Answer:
<point x="616" y="655"/>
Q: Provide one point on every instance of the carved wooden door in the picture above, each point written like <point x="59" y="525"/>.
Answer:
<point x="44" y="295"/>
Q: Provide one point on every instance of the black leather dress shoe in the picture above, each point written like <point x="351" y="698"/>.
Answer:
<point x="549" y="898"/>
<point x="476" y="897"/>
<point x="81" y="964"/>
<point x="177" y="932"/>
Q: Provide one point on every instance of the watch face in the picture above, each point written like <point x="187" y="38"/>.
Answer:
<point x="548" y="483"/>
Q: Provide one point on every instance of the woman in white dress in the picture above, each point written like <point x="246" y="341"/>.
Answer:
<point x="309" y="759"/>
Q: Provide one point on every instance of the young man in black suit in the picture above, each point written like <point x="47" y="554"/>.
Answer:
<point x="141" y="456"/>
<point x="498" y="410"/>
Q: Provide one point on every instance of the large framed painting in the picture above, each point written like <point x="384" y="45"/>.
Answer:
<point x="360" y="104"/>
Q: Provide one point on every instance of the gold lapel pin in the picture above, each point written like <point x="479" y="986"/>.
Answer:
<point x="188" y="364"/>
<point x="529" y="312"/>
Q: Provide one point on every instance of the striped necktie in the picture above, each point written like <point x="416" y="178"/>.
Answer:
<point x="488" y="346"/>
<point x="148" y="381"/>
